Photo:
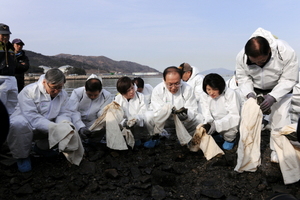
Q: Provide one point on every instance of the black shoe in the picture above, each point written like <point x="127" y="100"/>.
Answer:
<point x="45" y="153"/>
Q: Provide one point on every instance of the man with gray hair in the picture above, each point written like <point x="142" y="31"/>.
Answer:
<point x="40" y="105"/>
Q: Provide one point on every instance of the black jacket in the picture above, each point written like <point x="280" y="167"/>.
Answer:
<point x="21" y="69"/>
<point x="22" y="58"/>
<point x="7" y="59"/>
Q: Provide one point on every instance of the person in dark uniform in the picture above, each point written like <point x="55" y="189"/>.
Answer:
<point x="22" y="62"/>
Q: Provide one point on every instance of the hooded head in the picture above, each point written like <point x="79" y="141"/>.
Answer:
<point x="187" y="71"/>
<point x="93" y="86"/>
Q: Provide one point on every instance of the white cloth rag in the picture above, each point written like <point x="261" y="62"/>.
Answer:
<point x="182" y="134"/>
<point x="201" y="140"/>
<point x="161" y="117"/>
<point x="250" y="137"/>
<point x="129" y="137"/>
<point x="68" y="140"/>
<point x="111" y="117"/>
<point x="288" y="154"/>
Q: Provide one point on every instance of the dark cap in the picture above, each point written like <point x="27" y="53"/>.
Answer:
<point x="4" y="29"/>
<point x="18" y="41"/>
<point x="185" y="67"/>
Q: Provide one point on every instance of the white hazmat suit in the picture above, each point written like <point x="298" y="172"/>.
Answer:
<point x="35" y="112"/>
<point x="147" y="91"/>
<point x="86" y="110"/>
<point x="9" y="92"/>
<point x="277" y="78"/>
<point x="196" y="81"/>
<point x="224" y="111"/>
<point x="295" y="104"/>
<point x="278" y="75"/>
<point x="135" y="109"/>
<point x="162" y="97"/>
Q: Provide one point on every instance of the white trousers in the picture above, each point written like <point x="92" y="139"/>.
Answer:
<point x="9" y="92"/>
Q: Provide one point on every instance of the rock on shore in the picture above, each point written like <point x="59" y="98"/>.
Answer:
<point x="169" y="171"/>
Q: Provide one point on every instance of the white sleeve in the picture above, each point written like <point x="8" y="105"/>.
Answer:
<point x="30" y="110"/>
<point x="289" y="77"/>
<point x="76" y="115"/>
<point x="232" y="119"/>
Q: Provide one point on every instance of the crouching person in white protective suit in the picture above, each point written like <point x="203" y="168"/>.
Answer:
<point x="221" y="110"/>
<point x="145" y="89"/>
<point x="192" y="76"/>
<point x="135" y="111"/>
<point x="125" y="118"/>
<point x="268" y="66"/>
<point x="42" y="116"/>
<point x="174" y="106"/>
<point x="87" y="103"/>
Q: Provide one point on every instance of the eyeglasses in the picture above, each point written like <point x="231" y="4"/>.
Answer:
<point x="58" y="87"/>
<point x="176" y="85"/>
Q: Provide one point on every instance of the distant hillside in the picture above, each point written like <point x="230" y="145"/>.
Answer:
<point x="91" y="64"/>
<point x="221" y="71"/>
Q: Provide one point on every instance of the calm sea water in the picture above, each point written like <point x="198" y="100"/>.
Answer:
<point x="108" y="84"/>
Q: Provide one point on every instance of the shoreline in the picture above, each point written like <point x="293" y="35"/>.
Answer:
<point x="84" y="77"/>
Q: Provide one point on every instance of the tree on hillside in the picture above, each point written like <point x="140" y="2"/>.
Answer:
<point x="35" y="70"/>
<point x="75" y="70"/>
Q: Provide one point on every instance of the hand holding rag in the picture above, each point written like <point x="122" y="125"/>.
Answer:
<point x="84" y="133"/>
<point x="212" y="128"/>
<point x="267" y="103"/>
<point x="251" y="95"/>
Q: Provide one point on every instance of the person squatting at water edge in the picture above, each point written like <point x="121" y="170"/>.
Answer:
<point x="169" y="96"/>
<point x="145" y="89"/>
<point x="42" y="116"/>
<point x="87" y="105"/>
<point x="266" y="66"/>
<point x="221" y="110"/>
<point x="192" y="76"/>
<point x="125" y="119"/>
<point x="135" y="109"/>
<point x="8" y="83"/>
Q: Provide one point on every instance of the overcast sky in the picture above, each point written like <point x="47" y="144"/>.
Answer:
<point x="158" y="33"/>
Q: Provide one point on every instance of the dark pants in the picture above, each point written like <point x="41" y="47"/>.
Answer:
<point x="4" y="121"/>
